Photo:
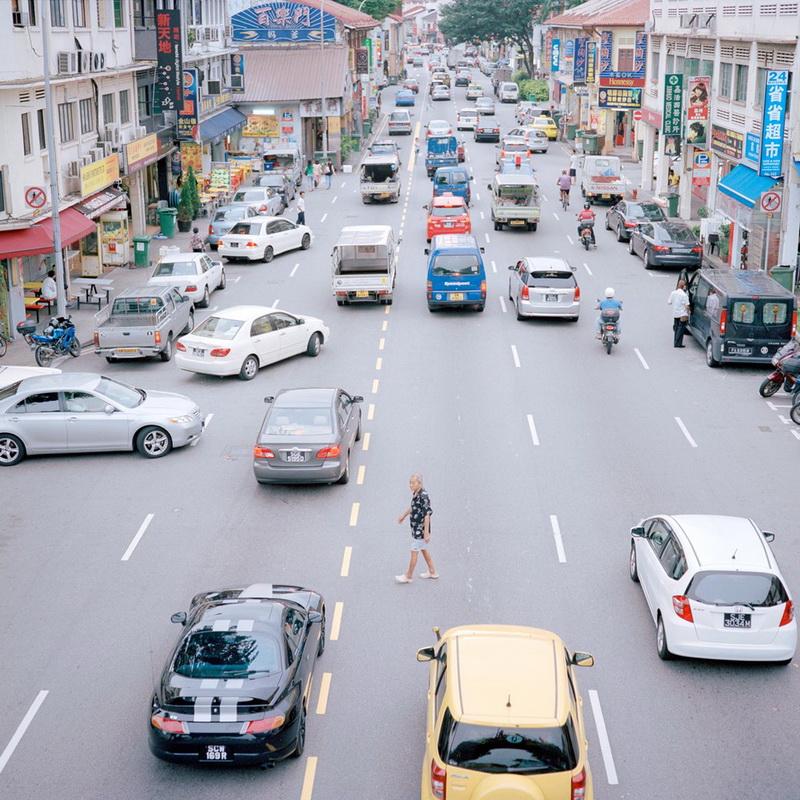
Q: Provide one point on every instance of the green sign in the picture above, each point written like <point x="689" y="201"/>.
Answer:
<point x="673" y="105"/>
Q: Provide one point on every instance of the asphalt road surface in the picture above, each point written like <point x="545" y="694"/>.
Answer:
<point x="539" y="452"/>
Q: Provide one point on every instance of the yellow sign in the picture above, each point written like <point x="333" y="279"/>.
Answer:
<point x="98" y="175"/>
<point x="191" y="153"/>
<point x="334" y="124"/>
<point x="261" y="127"/>
<point x="142" y="150"/>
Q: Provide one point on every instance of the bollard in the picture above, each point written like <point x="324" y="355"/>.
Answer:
<point x="634" y="193"/>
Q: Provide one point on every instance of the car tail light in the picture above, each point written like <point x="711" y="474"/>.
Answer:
<point x="330" y="452"/>
<point x="157" y="337"/>
<point x="264" y="725"/>
<point x="576" y="295"/>
<point x="697" y="249"/>
<point x="210" y="229"/>
<point x="430" y="290"/>
<point x="167" y="724"/>
<point x="181" y="346"/>
<point x="661" y="248"/>
<point x="219" y="243"/>
<point x="190" y="288"/>
<point x="262" y="452"/>
<point x="525" y="293"/>
<point x="220" y="352"/>
<point x="251" y="244"/>
<point x="579" y="785"/>
<point x="96" y="339"/>
<point x="794" y="323"/>
<point x="438" y="781"/>
<point x="483" y="289"/>
<point x="788" y="614"/>
<point x="682" y="608"/>
<point x="262" y="209"/>
<point x="723" y="320"/>
<point x="631" y="224"/>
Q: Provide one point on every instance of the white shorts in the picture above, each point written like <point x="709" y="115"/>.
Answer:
<point x="418" y="544"/>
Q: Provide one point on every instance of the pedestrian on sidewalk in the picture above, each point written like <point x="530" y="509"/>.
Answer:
<point x="420" y="512"/>
<point x="573" y="168"/>
<point x="196" y="242"/>
<point x="301" y="208"/>
<point x="317" y="173"/>
<point x="328" y="171"/>
<point x="679" y="301"/>
<point x="310" y="176"/>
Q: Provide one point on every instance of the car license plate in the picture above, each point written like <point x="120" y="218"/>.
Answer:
<point x="681" y="250"/>
<point x="295" y="457"/>
<point x="456" y="296"/>
<point x="605" y="196"/>
<point x="448" y="224"/>
<point x="736" y="621"/>
<point x="517" y="222"/>
<point x="216" y="752"/>
<point x="551" y="298"/>
<point x="362" y="294"/>
<point x="127" y="349"/>
<point x="198" y="351"/>
<point x="740" y="351"/>
<point x="234" y="244"/>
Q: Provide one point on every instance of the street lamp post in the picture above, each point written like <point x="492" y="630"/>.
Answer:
<point x="322" y="60"/>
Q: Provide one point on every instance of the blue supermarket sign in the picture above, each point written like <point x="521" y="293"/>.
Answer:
<point x="752" y="147"/>
<point x="773" y="122"/>
<point x="283" y="22"/>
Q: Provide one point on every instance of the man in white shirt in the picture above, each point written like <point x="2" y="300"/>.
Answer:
<point x="49" y="289"/>
<point x="679" y="301"/>
<point x="301" y="209"/>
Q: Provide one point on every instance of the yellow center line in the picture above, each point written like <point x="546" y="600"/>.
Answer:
<point x="354" y="515"/>
<point x="385" y="325"/>
<point x="308" y="780"/>
<point x="336" y="624"/>
<point x="361" y="470"/>
<point x="324" y="691"/>
<point x="378" y="363"/>
<point x="375" y="386"/>
<point x="365" y="442"/>
<point x="381" y="343"/>
<point x="371" y="412"/>
<point x="348" y="551"/>
<point x="388" y="309"/>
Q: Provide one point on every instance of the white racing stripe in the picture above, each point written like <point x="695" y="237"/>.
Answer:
<point x="557" y="536"/>
<point x="202" y="709"/>
<point x="227" y="709"/>
<point x="21" y="728"/>
<point x="605" y="744"/>
<point x="686" y="433"/>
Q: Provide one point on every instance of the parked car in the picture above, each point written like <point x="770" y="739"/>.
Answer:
<point x="544" y="286"/>
<point x="405" y="97"/>
<point x="411" y="84"/>
<point x="280" y="183"/>
<point x="242" y="339"/>
<point x="308" y="436"/>
<point x="83" y="412"/>
<point x="537" y="139"/>
<point x="237" y="693"/>
<point x="474" y="91"/>
<point x="465" y="119"/>
<point x="713" y="588"/>
<point x="440" y="91"/>
<point x="400" y="122"/>
<point x="261" y="238"/>
<point x="225" y="217"/>
<point x="9" y="375"/>
<point x="666" y="244"/>
<point x="192" y="274"/>
<point x="485" y="106"/>
<point x="627" y="215"/>
<point x="545" y="124"/>
<point x="261" y="199"/>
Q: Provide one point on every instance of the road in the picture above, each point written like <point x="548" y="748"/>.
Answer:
<point x="539" y="452"/>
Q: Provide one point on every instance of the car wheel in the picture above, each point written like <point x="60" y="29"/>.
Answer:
<point x="321" y="645"/>
<point x="189" y="323"/>
<point x="345" y="476"/>
<point x="710" y="360"/>
<point x="359" y="431"/>
<point x="306" y="242"/>
<point x="633" y="569"/>
<point x="533" y="226"/>
<point x="111" y="359"/>
<point x="661" y="641"/>
<point x="608" y="226"/>
<point x="268" y="255"/>
<point x="206" y="297"/>
<point x="168" y="351"/>
<point x="153" y="442"/>
<point x="12" y="451"/>
<point x="223" y="280"/>
<point x="620" y="235"/>
<point x="300" y="741"/>
<point x="249" y="368"/>
<point x="646" y="258"/>
<point x="516" y="308"/>
<point x="631" y="249"/>
<point x="314" y="343"/>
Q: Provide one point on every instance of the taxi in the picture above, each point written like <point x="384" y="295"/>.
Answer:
<point x="443" y="77"/>
<point x="474" y="91"/>
<point x="546" y="124"/>
<point x="447" y="214"/>
<point x="412" y="84"/>
<point x="513" y="147"/>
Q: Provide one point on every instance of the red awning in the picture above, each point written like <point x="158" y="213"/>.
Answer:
<point x="38" y="239"/>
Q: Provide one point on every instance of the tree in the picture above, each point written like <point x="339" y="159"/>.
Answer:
<point x="377" y="9"/>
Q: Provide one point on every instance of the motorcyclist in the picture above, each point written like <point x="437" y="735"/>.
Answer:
<point x="611" y="303"/>
<point x="585" y="218"/>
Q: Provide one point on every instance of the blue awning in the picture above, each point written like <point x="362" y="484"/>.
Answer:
<point x="226" y="121"/>
<point x="745" y="185"/>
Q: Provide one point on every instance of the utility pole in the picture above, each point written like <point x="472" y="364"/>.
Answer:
<point x="61" y="278"/>
<point x="322" y="59"/>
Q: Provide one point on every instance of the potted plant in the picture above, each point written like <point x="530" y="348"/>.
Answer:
<point x="185" y="208"/>
<point x="194" y="195"/>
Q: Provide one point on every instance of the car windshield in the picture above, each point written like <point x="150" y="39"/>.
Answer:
<point x="218" y="328"/>
<point x="252" y="194"/>
<point x="119" y="392"/>
<point x="646" y="211"/>
<point x="271" y="180"/>
<point x="175" y="268"/>
<point x="507" y="167"/>
<point x="551" y="278"/>
<point x="207" y="653"/>
<point x="526" y="751"/>
<point x="737" y="589"/>
<point x="229" y="214"/>
<point x="284" y="421"/>
<point x="447" y="211"/>
<point x="456" y="264"/>
<point x="469" y="112"/>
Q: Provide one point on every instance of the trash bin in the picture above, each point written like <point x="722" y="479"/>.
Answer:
<point x="571" y="129"/>
<point x="784" y="276"/>
<point x="672" y="205"/>
<point x="141" y="251"/>
<point x="591" y="144"/>
<point x="166" y="218"/>
<point x="367" y="124"/>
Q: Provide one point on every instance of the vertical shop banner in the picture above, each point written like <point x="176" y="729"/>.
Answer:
<point x="189" y="113"/>
<point x="192" y="154"/>
<point x="169" y="64"/>
<point x="773" y="123"/>
<point x="697" y="110"/>
<point x="591" y="58"/>
<point x="579" y="72"/>
<point x="237" y="73"/>
<point x="548" y="49"/>
<point x="606" y="47"/>
<point x="567" y="55"/>
<point x="555" y="57"/>
<point x="672" y="125"/>
<point x="640" y="53"/>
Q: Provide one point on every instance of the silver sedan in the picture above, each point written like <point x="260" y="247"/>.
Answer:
<point x="83" y="412"/>
<point x="544" y="287"/>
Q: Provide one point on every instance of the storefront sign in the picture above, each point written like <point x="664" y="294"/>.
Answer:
<point x="773" y="122"/>
<point x="555" y="56"/>
<point x="619" y="78"/>
<point x="548" y="49"/>
<point x="362" y="61"/>
<point x="262" y="126"/>
<point x="100" y="174"/>
<point x="579" y="71"/>
<point x="189" y="113"/>
<point x="727" y="142"/>
<point x="650" y="117"/>
<point x="619" y="98"/>
<point x="701" y="169"/>
<point x="640" y="53"/>
<point x="191" y="156"/>
<point x="752" y="147"/>
<point x="140" y="153"/>
<point x="313" y="108"/>
<point x="283" y="22"/>
<point x="606" y="49"/>
<point x="237" y="73"/>
<point x="591" y="58"/>
<point x="697" y="111"/>
<point x="169" y="66"/>
<point x="673" y="105"/>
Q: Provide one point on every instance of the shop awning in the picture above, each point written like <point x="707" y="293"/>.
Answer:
<point x="99" y="203"/>
<point x="38" y="239"/>
<point x="226" y="121"/>
<point x="745" y="185"/>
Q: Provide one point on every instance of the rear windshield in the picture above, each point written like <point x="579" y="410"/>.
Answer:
<point x="737" y="589"/>
<point x="299" y="422"/>
<point x="451" y="177"/>
<point x="761" y="312"/>
<point x="176" y="268"/>
<point x="253" y="194"/>
<point x="397" y="116"/>
<point x="218" y="328"/>
<point x="246" y="228"/>
<point x="456" y="264"/>
<point x="227" y="654"/>
<point x="515" y="147"/>
<point x="137" y="305"/>
<point x="230" y="214"/>
<point x="468" y="113"/>
<point x="445" y="211"/>
<point x="551" y="278"/>
<point x="646" y="211"/>
<point x="675" y="233"/>
<point x="524" y="751"/>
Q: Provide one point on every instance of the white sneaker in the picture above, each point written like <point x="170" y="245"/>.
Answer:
<point x="429" y="575"/>
<point x="402" y="579"/>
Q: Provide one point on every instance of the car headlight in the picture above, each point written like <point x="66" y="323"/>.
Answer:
<point x="185" y="418"/>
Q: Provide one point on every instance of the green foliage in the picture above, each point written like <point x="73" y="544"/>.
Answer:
<point x="533" y="86"/>
<point x="347" y="147"/>
<point x="190" y="186"/>
<point x="724" y="241"/>
<point x="696" y="230"/>
<point x="702" y="212"/>
<point x="377" y="9"/>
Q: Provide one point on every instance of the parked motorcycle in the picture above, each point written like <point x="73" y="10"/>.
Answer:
<point x="780" y="377"/>
<point x="57" y="339"/>
<point x="586" y="234"/>
<point x="609" y="328"/>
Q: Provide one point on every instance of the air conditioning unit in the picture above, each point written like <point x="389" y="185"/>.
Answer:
<point x="20" y="19"/>
<point x="97" y="153"/>
<point x="213" y="34"/>
<point x="84" y="61"/>
<point x="108" y="149"/>
<point x="705" y="20"/>
<point x="67" y="63"/>
<point x="213" y="87"/>
<point x="237" y="81"/>
<point x="688" y="20"/>
<point x="74" y="169"/>
<point x="98" y="61"/>
<point x="112" y="134"/>
<point x="140" y="132"/>
<point x="86" y="160"/>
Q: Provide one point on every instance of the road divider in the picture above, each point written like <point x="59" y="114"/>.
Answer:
<point x="294" y="270"/>
<point x="324" y="691"/>
<point x="346" y="556"/>
<point x="354" y="514"/>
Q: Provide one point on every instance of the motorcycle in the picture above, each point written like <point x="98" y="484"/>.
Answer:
<point x="57" y="339"/>
<point x="609" y="328"/>
<point x="781" y="377"/>
<point x="586" y="234"/>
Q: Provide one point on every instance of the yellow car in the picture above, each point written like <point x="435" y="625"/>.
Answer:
<point x="546" y="124"/>
<point x="443" y="77"/>
<point x="474" y="91"/>
<point x="504" y="716"/>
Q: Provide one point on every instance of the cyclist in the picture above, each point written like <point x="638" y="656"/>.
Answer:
<point x="564" y="184"/>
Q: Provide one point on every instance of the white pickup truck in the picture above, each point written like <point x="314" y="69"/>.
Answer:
<point x="364" y="265"/>
<point x="602" y="179"/>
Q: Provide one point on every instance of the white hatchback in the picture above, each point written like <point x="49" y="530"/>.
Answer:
<point x="261" y="238"/>
<point x="713" y="588"/>
<point x="465" y="120"/>
<point x="192" y="274"/>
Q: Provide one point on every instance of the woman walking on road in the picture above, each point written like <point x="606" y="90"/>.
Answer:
<point x="317" y="169"/>
<point x="328" y="171"/>
<point x="310" y="175"/>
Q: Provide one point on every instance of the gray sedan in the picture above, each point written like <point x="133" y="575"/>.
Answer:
<point x="263" y="200"/>
<point x="83" y="412"/>
<point x="279" y="182"/>
<point x="544" y="287"/>
<point x="225" y="217"/>
<point x="307" y="436"/>
<point x="627" y="215"/>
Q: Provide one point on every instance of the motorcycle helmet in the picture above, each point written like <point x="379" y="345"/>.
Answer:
<point x="586" y="206"/>
<point x="609" y="292"/>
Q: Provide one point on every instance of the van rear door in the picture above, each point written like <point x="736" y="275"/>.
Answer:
<point x="756" y="327"/>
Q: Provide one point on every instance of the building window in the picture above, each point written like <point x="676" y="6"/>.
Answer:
<point x="655" y="63"/>
<point x="692" y="66"/>
<point x="144" y="12"/>
<point x="740" y="92"/>
<point x="124" y="107"/>
<point x="679" y="61"/>
<point x="707" y="68"/>
<point x="27" y="145"/>
<point x="625" y="59"/>
<point x="670" y="64"/>
<point x="761" y="84"/>
<point x="195" y="12"/>
<point x="42" y="129"/>
<point x="725" y="75"/>
<point x="79" y="13"/>
<point x="108" y="109"/>
<point x="119" y="13"/>
<point x="58" y="19"/>
<point x="87" y="117"/>
<point x="66" y="121"/>
<point x="111" y="13"/>
<point x="3" y="207"/>
<point x="144" y="102"/>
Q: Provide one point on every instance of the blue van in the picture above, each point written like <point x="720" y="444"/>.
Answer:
<point x="456" y="275"/>
<point x="454" y="180"/>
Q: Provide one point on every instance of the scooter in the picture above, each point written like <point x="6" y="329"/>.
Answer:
<point x="609" y="328"/>
<point x="781" y="376"/>
<point x="586" y="234"/>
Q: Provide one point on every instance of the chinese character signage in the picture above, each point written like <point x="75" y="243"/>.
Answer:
<point x="606" y="47"/>
<point x="579" y="71"/>
<point x="697" y="111"/>
<point x="672" y="124"/>
<point x="752" y="147"/>
<point x="189" y="113"/>
<point x="283" y="22"/>
<point x="99" y="174"/>
<point x="555" y="56"/>
<point x="773" y="123"/>
<point x="237" y="69"/>
<point x="622" y="79"/>
<point x="640" y="54"/>
<point x="169" y="66"/>
<point x="591" y="57"/>
<point x="727" y="142"/>
<point x="619" y="98"/>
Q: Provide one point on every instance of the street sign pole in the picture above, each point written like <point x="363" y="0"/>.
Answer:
<point x="322" y="59"/>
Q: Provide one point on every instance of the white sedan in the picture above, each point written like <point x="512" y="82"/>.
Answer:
<point x="241" y="340"/>
<point x="439" y="127"/>
<point x="465" y="121"/>
<point x="192" y="274"/>
<point x="261" y="238"/>
<point x="9" y="375"/>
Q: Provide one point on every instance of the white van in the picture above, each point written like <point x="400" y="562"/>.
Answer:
<point x="508" y="93"/>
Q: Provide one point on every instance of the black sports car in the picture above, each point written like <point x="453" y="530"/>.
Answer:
<point x="236" y="687"/>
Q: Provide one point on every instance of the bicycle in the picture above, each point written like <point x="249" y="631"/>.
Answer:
<point x="3" y="344"/>
<point x="565" y="199"/>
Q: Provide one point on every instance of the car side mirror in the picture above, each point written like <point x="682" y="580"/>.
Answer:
<point x="427" y="251"/>
<point x="425" y="207"/>
<point x="358" y="398"/>
<point x="269" y="399"/>
<point x="425" y="654"/>
<point x="482" y="250"/>
<point x="637" y="533"/>
<point x="185" y="298"/>
<point x="770" y="537"/>
<point x="109" y="409"/>
<point x="512" y="267"/>
<point x="179" y="616"/>
<point x="471" y="177"/>
<point x="315" y="616"/>
<point x="300" y="321"/>
<point x="582" y="659"/>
